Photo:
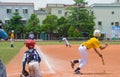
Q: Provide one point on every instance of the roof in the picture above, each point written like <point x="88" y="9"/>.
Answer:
<point x="16" y="3"/>
<point x="105" y="5"/>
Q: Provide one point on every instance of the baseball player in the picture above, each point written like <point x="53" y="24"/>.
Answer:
<point x="66" y="42"/>
<point x="32" y="58"/>
<point x="31" y="36"/>
<point x="83" y="50"/>
<point x="12" y="39"/>
<point x="3" y="35"/>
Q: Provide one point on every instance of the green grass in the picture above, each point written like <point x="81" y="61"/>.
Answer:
<point x="7" y="53"/>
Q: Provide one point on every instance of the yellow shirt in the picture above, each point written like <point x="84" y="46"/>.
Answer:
<point x="12" y="35"/>
<point x="92" y="43"/>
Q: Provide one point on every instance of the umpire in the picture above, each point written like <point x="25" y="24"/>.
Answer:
<point x="2" y="70"/>
<point x="3" y="35"/>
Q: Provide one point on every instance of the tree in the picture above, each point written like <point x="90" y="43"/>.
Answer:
<point x="72" y="32"/>
<point x="50" y="24"/>
<point x="15" y="23"/>
<point x="33" y="24"/>
<point x="62" y="26"/>
<point x="76" y="33"/>
<point x="80" y="17"/>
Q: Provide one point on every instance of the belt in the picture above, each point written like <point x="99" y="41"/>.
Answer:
<point x="84" y="45"/>
<point x="32" y="61"/>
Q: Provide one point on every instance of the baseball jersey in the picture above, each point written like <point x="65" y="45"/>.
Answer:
<point x="12" y="35"/>
<point x="92" y="43"/>
<point x="66" y="41"/>
<point x="26" y="55"/>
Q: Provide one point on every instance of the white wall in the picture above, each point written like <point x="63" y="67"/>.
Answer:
<point x="103" y="13"/>
<point x="4" y="6"/>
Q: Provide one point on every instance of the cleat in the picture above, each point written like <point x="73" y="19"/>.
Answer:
<point x="78" y="72"/>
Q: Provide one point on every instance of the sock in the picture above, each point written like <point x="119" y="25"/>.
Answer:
<point x="77" y="69"/>
<point x="76" y="61"/>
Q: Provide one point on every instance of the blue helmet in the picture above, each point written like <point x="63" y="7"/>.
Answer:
<point x="3" y="34"/>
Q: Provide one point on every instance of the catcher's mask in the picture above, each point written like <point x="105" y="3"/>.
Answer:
<point x="30" y="43"/>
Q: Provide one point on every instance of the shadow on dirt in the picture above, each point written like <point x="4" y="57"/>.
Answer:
<point x="102" y="73"/>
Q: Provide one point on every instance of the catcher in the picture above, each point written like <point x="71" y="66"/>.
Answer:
<point x="33" y="59"/>
<point x="83" y="50"/>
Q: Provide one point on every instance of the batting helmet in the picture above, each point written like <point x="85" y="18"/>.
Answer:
<point x="96" y="33"/>
<point x="30" y="43"/>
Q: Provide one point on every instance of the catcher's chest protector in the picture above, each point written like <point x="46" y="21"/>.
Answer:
<point x="32" y="55"/>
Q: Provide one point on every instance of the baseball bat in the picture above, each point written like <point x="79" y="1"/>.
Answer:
<point x="104" y="71"/>
<point x="103" y="62"/>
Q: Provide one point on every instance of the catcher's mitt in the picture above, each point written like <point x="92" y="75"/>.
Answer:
<point x="25" y="73"/>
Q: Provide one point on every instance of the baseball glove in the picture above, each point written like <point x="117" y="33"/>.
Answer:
<point x="25" y="73"/>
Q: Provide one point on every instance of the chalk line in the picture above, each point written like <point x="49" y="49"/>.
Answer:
<point x="45" y="59"/>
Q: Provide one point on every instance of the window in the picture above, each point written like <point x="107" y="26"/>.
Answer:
<point x="59" y="11"/>
<point x="25" y="11"/>
<point x="42" y="22"/>
<point x="9" y="10"/>
<point x="65" y="14"/>
<point x="116" y="23"/>
<point x="99" y="23"/>
<point x="24" y="22"/>
<point x="112" y="23"/>
<point x="113" y="12"/>
<point x="92" y="13"/>
<point x="49" y="12"/>
<point x="6" y="22"/>
<point x="16" y="10"/>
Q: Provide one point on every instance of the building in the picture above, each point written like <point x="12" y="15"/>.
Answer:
<point x="107" y="15"/>
<point x="107" y="19"/>
<point x="41" y="14"/>
<point x="57" y="9"/>
<point x="52" y="9"/>
<point x="8" y="8"/>
<point x="117" y="1"/>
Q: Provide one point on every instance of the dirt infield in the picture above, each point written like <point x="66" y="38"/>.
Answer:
<point x="56" y="62"/>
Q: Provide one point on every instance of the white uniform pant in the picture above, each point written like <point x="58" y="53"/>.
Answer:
<point x="84" y="56"/>
<point x="34" y="69"/>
